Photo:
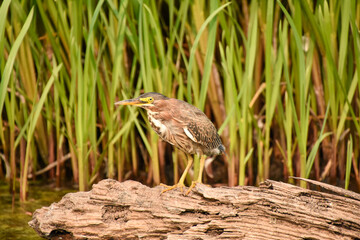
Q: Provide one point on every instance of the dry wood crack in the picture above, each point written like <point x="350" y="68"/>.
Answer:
<point x="130" y="210"/>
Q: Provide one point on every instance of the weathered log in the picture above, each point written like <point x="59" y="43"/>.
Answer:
<point x="130" y="210"/>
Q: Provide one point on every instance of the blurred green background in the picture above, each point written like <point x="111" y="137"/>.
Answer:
<point x="279" y="79"/>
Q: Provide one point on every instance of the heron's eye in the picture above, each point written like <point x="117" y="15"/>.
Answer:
<point x="150" y="99"/>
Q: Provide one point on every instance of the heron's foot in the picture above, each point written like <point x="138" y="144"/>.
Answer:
<point x="168" y="188"/>
<point x="193" y="184"/>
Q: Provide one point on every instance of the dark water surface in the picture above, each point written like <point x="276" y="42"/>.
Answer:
<point x="14" y="220"/>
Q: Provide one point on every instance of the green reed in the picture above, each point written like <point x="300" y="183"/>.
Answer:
<point x="280" y="82"/>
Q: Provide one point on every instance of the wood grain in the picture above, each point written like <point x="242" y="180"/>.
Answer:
<point x="130" y="210"/>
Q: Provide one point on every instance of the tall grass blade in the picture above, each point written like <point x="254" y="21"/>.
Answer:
<point x="3" y="14"/>
<point x="314" y="150"/>
<point x="34" y="116"/>
<point x="194" y="47"/>
<point x="304" y="104"/>
<point x="12" y="55"/>
<point x="349" y="156"/>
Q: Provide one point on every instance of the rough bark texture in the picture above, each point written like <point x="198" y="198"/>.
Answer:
<point x="130" y="210"/>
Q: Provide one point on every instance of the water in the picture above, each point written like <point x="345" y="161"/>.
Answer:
<point x="14" y="221"/>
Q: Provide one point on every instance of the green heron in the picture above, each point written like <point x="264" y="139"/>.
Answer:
<point x="182" y="125"/>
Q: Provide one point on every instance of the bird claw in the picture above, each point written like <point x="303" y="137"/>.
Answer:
<point x="193" y="184"/>
<point x="168" y="188"/>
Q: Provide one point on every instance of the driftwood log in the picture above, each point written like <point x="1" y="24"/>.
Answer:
<point x="130" y="210"/>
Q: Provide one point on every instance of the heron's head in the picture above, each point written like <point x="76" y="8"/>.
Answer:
<point x="147" y="101"/>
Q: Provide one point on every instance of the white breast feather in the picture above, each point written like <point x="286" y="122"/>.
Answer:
<point x="158" y="124"/>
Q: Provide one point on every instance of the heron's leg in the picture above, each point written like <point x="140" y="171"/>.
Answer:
<point x="199" y="178"/>
<point x="180" y="183"/>
<point x="188" y="166"/>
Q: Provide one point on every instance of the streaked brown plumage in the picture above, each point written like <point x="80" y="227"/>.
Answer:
<point x="182" y="125"/>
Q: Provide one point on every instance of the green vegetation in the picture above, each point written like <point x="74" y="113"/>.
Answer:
<point x="278" y="78"/>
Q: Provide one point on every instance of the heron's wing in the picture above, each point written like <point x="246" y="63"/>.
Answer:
<point x="195" y="124"/>
<point x="203" y="133"/>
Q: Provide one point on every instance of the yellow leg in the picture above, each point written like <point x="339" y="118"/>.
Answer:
<point x="199" y="178"/>
<point x="180" y="184"/>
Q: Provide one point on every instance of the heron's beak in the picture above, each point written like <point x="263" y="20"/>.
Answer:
<point x="134" y="101"/>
